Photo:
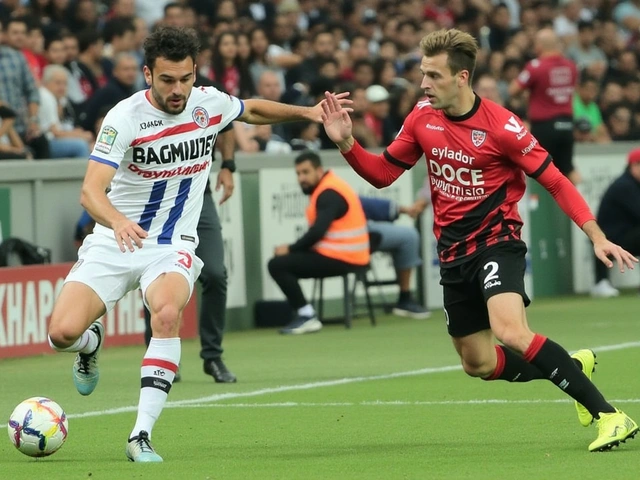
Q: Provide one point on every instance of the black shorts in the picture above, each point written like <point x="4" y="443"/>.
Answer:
<point x="556" y="137"/>
<point x="467" y="287"/>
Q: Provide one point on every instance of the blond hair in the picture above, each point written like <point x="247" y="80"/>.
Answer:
<point x="460" y="47"/>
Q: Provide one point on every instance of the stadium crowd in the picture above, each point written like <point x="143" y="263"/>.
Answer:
<point x="64" y="63"/>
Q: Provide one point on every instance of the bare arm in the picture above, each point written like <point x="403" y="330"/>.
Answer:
<point x="95" y="201"/>
<point x="266" y="112"/>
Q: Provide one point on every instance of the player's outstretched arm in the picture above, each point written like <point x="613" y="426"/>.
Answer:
<point x="265" y="112"/>
<point x="375" y="169"/>
<point x="95" y="201"/>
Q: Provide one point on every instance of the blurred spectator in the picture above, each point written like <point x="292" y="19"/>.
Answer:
<point x="119" y="35"/>
<point x="485" y="86"/>
<point x="174" y="15"/>
<point x="384" y="73"/>
<point x="228" y="69"/>
<point x="619" y="218"/>
<point x="408" y="39"/>
<point x="151" y="11"/>
<point x="18" y="90"/>
<point x="11" y="145"/>
<point x="119" y="87"/>
<point x="363" y="73"/>
<point x="566" y="24"/>
<point x="500" y="29"/>
<point x="323" y="47"/>
<point x="71" y="47"/>
<point x="88" y="70"/>
<point x="586" y="54"/>
<point x="376" y="117"/>
<point x="612" y="94"/>
<point x="16" y="36"/>
<point x="305" y="136"/>
<point x="269" y="88"/>
<point x="122" y="9"/>
<point x="65" y="141"/>
<point x="84" y="17"/>
<point x="402" y="243"/>
<point x="624" y="66"/>
<point x="551" y="80"/>
<point x="54" y="51"/>
<point x="620" y="123"/>
<point x="586" y="114"/>
<point x="627" y="16"/>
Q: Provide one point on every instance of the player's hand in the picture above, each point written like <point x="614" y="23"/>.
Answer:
<point x="225" y="180"/>
<point x="281" y="250"/>
<point x="128" y="234"/>
<point x="340" y="99"/>
<point x="605" y="249"/>
<point x="335" y="118"/>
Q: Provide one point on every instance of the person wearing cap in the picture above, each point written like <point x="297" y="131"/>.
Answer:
<point x="376" y="118"/>
<point x="619" y="218"/>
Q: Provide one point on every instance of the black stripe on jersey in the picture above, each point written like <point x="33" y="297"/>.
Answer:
<point x="461" y="230"/>
<point x="488" y="230"/>
<point x="542" y="168"/>
<point x="395" y="161"/>
<point x="155" y="382"/>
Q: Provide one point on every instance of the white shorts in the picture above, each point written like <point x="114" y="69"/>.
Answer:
<point x="111" y="273"/>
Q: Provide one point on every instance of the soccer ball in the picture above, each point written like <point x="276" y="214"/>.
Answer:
<point x="38" y="427"/>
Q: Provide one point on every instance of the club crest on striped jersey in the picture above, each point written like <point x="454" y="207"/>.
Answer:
<point x="201" y="117"/>
<point x="478" y="137"/>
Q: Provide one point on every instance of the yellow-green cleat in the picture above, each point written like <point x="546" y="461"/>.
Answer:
<point x="587" y="360"/>
<point x="613" y="429"/>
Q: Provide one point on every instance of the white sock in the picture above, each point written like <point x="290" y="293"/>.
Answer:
<point x="307" y="311"/>
<point x="158" y="370"/>
<point x="87" y="343"/>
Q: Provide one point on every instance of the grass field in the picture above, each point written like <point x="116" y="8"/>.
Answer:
<point x="388" y="402"/>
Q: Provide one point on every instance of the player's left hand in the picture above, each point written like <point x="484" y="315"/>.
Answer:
<point x="605" y="249"/>
<point x="318" y="110"/>
<point x="225" y="180"/>
<point x="281" y="250"/>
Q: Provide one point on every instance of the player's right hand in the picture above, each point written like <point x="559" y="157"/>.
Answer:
<point x="128" y="234"/>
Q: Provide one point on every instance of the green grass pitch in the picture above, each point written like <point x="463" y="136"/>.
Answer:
<point x="388" y="402"/>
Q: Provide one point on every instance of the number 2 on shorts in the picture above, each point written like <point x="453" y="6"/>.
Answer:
<point x="493" y="273"/>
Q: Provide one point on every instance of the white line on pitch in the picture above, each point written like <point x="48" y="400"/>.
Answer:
<point x="393" y="403"/>
<point x="309" y="386"/>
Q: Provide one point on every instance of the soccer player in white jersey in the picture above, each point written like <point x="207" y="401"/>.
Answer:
<point x="144" y="185"/>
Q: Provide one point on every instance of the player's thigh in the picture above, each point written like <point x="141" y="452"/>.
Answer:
<point x="77" y="306"/>
<point x="167" y="283"/>
<point x="101" y="276"/>
<point x="501" y="279"/>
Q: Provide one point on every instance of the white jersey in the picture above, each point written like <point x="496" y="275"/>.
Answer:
<point x="163" y="161"/>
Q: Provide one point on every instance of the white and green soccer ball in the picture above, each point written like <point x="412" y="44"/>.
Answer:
<point x="38" y="427"/>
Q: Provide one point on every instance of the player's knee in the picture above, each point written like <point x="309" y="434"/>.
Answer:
<point x="475" y="368"/>
<point x="274" y="266"/>
<point x="517" y="339"/>
<point x="62" y="336"/>
<point x="166" y="321"/>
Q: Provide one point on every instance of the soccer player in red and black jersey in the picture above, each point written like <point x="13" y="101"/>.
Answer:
<point x="477" y="154"/>
<point x="551" y="79"/>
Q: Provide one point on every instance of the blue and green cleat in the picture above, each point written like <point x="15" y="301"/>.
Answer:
<point x="85" y="367"/>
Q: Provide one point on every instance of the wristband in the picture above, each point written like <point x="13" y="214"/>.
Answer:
<point x="229" y="165"/>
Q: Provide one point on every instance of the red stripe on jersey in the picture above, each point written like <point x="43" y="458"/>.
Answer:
<point x="156" y="362"/>
<point x="175" y="130"/>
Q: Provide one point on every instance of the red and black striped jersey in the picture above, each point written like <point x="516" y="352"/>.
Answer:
<point x="476" y="165"/>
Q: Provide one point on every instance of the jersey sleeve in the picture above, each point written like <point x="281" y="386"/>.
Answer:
<point x="115" y="137"/>
<point x="225" y="105"/>
<point x="405" y="151"/>
<point x="525" y="78"/>
<point x="522" y="148"/>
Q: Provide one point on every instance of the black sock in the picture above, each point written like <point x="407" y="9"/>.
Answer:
<point x="405" y="296"/>
<point x="513" y="368"/>
<point x="558" y="366"/>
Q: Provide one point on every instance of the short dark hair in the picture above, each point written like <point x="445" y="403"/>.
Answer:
<point x="87" y="38"/>
<point x="173" y="43"/>
<point x="171" y="5"/>
<point x="117" y="27"/>
<point x="309" y="156"/>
